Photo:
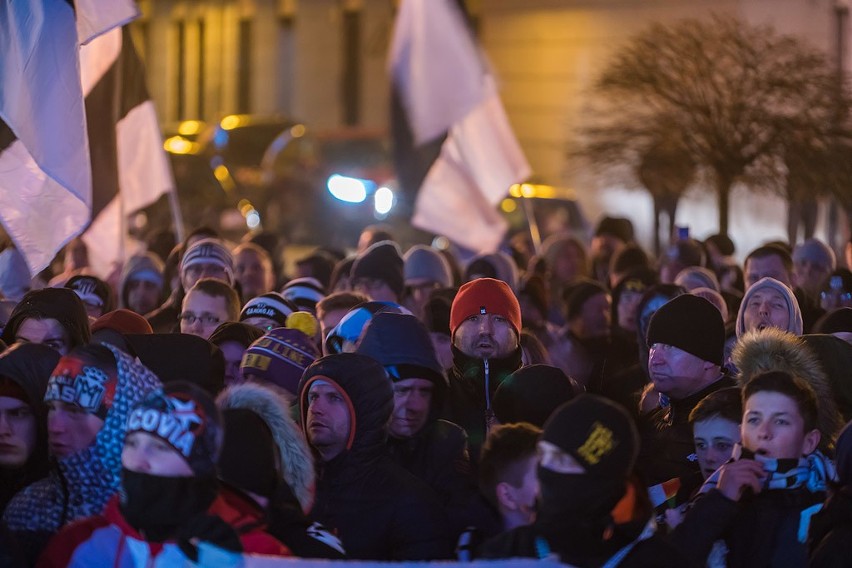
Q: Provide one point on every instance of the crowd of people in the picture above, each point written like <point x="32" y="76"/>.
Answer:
<point x="586" y="403"/>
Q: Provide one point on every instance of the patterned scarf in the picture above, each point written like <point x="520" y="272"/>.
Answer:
<point x="811" y="472"/>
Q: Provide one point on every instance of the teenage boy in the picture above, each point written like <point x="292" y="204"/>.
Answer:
<point x="760" y="503"/>
<point x="716" y="428"/>
<point x="160" y="517"/>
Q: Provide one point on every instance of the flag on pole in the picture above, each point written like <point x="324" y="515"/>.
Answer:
<point x="130" y="169"/>
<point x="47" y="157"/>
<point x="45" y="176"/>
<point x="453" y="142"/>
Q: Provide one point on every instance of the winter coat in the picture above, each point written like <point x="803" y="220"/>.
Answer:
<point x="28" y="365"/>
<point x="668" y="448"/>
<point x="467" y="403"/>
<point x="632" y="543"/>
<point x="109" y="539"/>
<point x="830" y="534"/>
<point x="80" y="485"/>
<point x="296" y="461"/>
<point x="776" y="350"/>
<point x="380" y="511"/>
<point x="766" y="529"/>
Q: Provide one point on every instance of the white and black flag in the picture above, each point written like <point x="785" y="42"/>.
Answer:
<point x="78" y="133"/>
<point x="453" y="144"/>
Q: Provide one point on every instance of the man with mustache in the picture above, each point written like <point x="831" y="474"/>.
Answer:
<point x="485" y="325"/>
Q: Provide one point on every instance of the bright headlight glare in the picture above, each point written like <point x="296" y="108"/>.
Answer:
<point x="349" y="189"/>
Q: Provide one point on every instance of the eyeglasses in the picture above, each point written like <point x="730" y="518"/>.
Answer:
<point x="206" y="318"/>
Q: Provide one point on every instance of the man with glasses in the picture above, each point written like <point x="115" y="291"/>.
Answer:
<point x="207" y="304"/>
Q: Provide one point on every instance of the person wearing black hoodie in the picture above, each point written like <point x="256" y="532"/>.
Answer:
<point x="24" y="372"/>
<point x="830" y="533"/>
<point x="380" y="511"/>
<point x="53" y="316"/>
<point x="432" y="449"/>
<point x="592" y="511"/>
<point x="485" y="326"/>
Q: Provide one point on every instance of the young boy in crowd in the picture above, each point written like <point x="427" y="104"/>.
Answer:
<point x="760" y="503"/>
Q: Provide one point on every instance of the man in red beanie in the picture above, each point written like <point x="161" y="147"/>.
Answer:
<point x="485" y="325"/>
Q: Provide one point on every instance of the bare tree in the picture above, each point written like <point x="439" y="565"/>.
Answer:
<point x="732" y="93"/>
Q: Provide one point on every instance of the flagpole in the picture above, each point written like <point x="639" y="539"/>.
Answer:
<point x="532" y="224"/>
<point x="177" y="217"/>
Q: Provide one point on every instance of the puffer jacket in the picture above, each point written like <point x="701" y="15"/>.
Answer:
<point x="296" y="460"/>
<point x="775" y="350"/>
<point x="380" y="511"/>
<point x="81" y="484"/>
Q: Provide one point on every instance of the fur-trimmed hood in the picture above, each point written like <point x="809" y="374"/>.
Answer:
<point x="272" y="405"/>
<point x="778" y="350"/>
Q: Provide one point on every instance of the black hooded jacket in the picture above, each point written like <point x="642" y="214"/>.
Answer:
<point x="28" y="365"/>
<point x="437" y="453"/>
<point x="61" y="304"/>
<point x="467" y="401"/>
<point x="379" y="510"/>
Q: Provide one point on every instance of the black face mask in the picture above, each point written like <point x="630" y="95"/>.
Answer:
<point x="569" y="501"/>
<point x="157" y="506"/>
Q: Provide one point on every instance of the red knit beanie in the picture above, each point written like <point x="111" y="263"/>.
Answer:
<point x="485" y="296"/>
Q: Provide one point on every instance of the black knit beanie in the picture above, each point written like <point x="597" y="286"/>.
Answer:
<point x="531" y="394"/>
<point x="577" y="292"/>
<point x="382" y="261"/>
<point x="692" y="324"/>
<point x="598" y="433"/>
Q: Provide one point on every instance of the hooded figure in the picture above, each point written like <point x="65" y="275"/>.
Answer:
<point x="268" y="469"/>
<point x="24" y="371"/>
<point x="60" y="304"/>
<point x="592" y="511"/>
<point x="80" y="484"/>
<point x="380" y="511"/>
<point x="434" y="450"/>
<point x="760" y="308"/>
<point x="776" y="350"/>
<point x="143" y="270"/>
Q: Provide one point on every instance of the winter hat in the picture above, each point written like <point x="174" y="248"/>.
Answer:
<point x="619" y="227"/>
<point x="61" y="304"/>
<point x="686" y="252"/>
<point x="280" y="357"/>
<point x="425" y="265"/>
<point x="305" y="293"/>
<point x="185" y="417"/>
<point x="29" y="365"/>
<point x="723" y="243"/>
<point x="531" y="394"/>
<point x="93" y="291"/>
<point x="598" y="433"/>
<point x="835" y="321"/>
<point x="692" y="324"/>
<point x="271" y="305"/>
<point x="181" y="357"/>
<point x="693" y="277"/>
<point x="795" y="326"/>
<point x="577" y="293"/>
<point x="381" y="261"/>
<point x="401" y="343"/>
<point x="248" y="459"/>
<point x="436" y="312"/>
<point x="485" y="296"/>
<point x="146" y="267"/>
<point x="816" y="251"/>
<point x="86" y="377"/>
<point x="319" y="265"/>
<point x="498" y="265"/>
<point x="835" y="359"/>
<point x="346" y="334"/>
<point x="241" y="333"/>
<point x="211" y="251"/>
<point x="123" y="321"/>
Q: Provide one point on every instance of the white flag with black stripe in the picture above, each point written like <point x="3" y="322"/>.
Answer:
<point x="453" y="143"/>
